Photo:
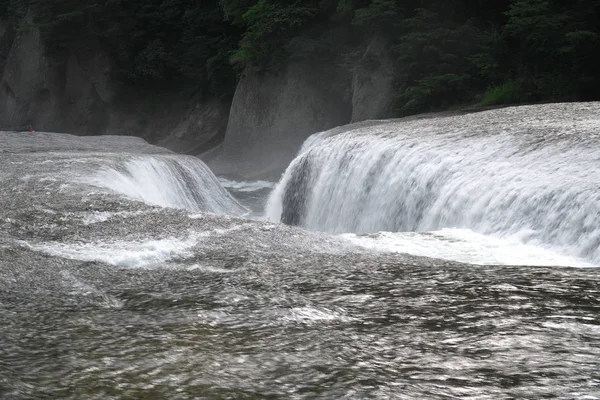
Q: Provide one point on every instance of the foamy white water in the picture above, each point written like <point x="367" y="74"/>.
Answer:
<point x="121" y="253"/>
<point x="465" y="246"/>
<point x="95" y="217"/>
<point x="499" y="173"/>
<point x="115" y="298"/>
<point x="252" y="194"/>
<point x="183" y="182"/>
<point x="246" y="186"/>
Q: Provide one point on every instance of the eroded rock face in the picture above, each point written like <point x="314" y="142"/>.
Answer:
<point x="272" y="115"/>
<point x="72" y="92"/>
<point x="59" y="92"/>
<point x="261" y="130"/>
<point x="7" y="36"/>
<point x="24" y="82"/>
<point x="202" y="127"/>
<point x="85" y="102"/>
<point x="173" y="119"/>
<point x="373" y="83"/>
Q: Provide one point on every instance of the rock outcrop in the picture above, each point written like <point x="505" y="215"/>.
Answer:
<point x="67" y="92"/>
<point x="202" y="128"/>
<point x="272" y="115"/>
<point x="7" y="36"/>
<point x="25" y="85"/>
<point x="373" y="82"/>
<point x="72" y="92"/>
<point x="255" y="135"/>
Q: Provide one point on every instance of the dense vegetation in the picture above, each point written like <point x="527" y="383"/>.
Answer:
<point x="447" y="52"/>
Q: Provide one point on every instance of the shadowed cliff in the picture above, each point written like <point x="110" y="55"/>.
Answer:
<point x="244" y="82"/>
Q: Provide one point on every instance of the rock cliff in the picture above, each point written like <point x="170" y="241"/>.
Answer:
<point x="256" y="133"/>
<point x="272" y="114"/>
<point x="72" y="92"/>
<point x="373" y="82"/>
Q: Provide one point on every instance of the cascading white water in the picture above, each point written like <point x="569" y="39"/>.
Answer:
<point x="182" y="182"/>
<point x="527" y="171"/>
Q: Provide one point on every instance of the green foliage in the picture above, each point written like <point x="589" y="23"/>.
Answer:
<point x="434" y="55"/>
<point x="155" y="42"/>
<point x="540" y="50"/>
<point x="13" y="10"/>
<point x="234" y="10"/>
<point x="446" y="52"/>
<point x="379" y="16"/>
<point x="432" y="92"/>
<point x="509" y="92"/>
<point x="269" y="25"/>
<point x="557" y="45"/>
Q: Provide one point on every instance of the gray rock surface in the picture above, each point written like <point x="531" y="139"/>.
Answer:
<point x="72" y="92"/>
<point x="63" y="92"/>
<point x="373" y="82"/>
<point x="204" y="125"/>
<point x="3" y="29"/>
<point x="261" y="130"/>
<point x="272" y="115"/>
<point x="24" y="84"/>
<point x="85" y="101"/>
<point x="7" y="35"/>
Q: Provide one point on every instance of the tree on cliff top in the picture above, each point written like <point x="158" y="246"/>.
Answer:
<point x="154" y="42"/>
<point x="447" y="51"/>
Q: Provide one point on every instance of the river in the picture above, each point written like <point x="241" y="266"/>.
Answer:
<point x="430" y="260"/>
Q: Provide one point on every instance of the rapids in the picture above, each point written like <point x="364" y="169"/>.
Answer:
<point x="526" y="172"/>
<point x="179" y="182"/>
<point x="130" y="272"/>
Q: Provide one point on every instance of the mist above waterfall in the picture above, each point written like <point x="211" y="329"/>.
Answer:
<point x="504" y="173"/>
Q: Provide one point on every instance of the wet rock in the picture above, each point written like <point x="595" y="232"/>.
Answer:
<point x="272" y="115"/>
<point x="373" y="82"/>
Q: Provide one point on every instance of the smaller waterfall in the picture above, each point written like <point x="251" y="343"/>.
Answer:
<point x="531" y="172"/>
<point x="183" y="182"/>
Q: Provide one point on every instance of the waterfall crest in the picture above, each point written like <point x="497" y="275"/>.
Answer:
<point x="531" y="171"/>
<point x="183" y="182"/>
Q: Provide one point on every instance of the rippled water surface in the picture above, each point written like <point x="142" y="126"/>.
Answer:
<point x="330" y="327"/>
<point x="105" y="294"/>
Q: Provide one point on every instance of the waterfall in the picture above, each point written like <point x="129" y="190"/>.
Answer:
<point x="530" y="171"/>
<point x="178" y="181"/>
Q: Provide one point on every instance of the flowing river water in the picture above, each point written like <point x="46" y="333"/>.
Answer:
<point x="447" y="258"/>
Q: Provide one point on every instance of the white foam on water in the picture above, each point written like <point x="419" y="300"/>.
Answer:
<point x="121" y="253"/>
<point x="246" y="186"/>
<point x="274" y="204"/>
<point x="182" y="182"/>
<point x="209" y="269"/>
<point x="311" y="315"/>
<point x="464" y="245"/>
<point x="96" y="217"/>
<point x="526" y="172"/>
